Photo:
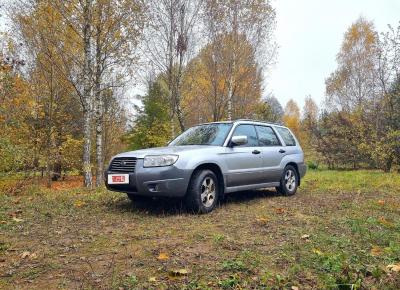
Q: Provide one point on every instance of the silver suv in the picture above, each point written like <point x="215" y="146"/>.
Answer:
<point x="210" y="160"/>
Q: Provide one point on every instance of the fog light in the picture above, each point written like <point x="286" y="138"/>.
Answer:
<point x="153" y="187"/>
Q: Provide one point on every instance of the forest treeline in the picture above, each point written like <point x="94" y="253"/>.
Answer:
<point x="68" y="68"/>
<point x="357" y="126"/>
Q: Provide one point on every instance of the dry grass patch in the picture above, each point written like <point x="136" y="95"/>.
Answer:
<point x="341" y="230"/>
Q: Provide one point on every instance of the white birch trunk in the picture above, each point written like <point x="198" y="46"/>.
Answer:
<point x="230" y="91"/>
<point x="87" y="99"/>
<point x="99" y="104"/>
<point x="99" y="138"/>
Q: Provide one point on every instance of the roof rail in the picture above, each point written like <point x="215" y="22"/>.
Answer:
<point x="259" y="121"/>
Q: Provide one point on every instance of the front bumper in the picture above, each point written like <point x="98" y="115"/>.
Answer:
<point x="153" y="181"/>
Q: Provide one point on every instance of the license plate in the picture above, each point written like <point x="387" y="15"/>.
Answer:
<point x="118" y="179"/>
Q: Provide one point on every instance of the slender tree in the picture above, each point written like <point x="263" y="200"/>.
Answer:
<point x="253" y="20"/>
<point x="169" y="45"/>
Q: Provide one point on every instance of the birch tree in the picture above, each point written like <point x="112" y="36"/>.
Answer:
<point x="205" y="83"/>
<point x="169" y="44"/>
<point x="253" y="20"/>
<point x="94" y="42"/>
<point x="117" y="30"/>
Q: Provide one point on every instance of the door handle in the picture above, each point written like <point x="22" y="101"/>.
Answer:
<point x="282" y="151"/>
<point x="256" y="152"/>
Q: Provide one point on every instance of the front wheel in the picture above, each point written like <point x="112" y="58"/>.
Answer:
<point x="203" y="192"/>
<point x="289" y="181"/>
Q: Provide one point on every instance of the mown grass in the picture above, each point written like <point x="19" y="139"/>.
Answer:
<point x="340" y="231"/>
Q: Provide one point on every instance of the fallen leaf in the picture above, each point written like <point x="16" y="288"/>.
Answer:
<point x="262" y="220"/>
<point x="385" y="222"/>
<point x="17" y="220"/>
<point x="25" y="254"/>
<point x="317" y="251"/>
<point x="163" y="256"/>
<point x="15" y="213"/>
<point x="305" y="237"/>
<point x="178" y="272"/>
<point x="376" y="251"/>
<point x="393" y="267"/>
<point x="79" y="203"/>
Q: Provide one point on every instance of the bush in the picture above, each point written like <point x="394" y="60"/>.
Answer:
<point x="312" y="165"/>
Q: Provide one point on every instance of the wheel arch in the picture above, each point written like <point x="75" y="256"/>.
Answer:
<point x="217" y="171"/>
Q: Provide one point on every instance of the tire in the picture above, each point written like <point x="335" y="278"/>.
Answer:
<point x="203" y="192"/>
<point x="289" y="181"/>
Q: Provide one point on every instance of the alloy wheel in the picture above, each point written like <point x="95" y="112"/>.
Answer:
<point x="208" y="192"/>
<point x="290" y="180"/>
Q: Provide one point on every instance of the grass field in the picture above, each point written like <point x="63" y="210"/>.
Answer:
<point x="340" y="231"/>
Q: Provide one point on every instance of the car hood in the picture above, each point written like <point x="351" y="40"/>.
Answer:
<point x="166" y="150"/>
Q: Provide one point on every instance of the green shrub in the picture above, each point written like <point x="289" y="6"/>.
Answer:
<point x="312" y="165"/>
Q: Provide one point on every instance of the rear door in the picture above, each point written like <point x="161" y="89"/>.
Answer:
<point x="272" y="153"/>
<point x="244" y="163"/>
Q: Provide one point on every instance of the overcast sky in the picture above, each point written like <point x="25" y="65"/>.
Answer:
<point x="309" y="34"/>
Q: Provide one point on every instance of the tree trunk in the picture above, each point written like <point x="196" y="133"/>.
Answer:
<point x="230" y="99"/>
<point x="49" y="129"/>
<point x="87" y="92"/>
<point x="87" y="169"/>
<point x="99" y="138"/>
<point x="179" y="115"/>
<point x="231" y="85"/>
<point x="388" y="164"/>
<point x="99" y="103"/>
<point x="57" y="164"/>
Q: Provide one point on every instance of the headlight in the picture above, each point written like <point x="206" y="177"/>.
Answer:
<point x="159" y="160"/>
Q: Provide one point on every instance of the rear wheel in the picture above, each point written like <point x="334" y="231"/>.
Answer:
<point x="203" y="192"/>
<point x="289" y="181"/>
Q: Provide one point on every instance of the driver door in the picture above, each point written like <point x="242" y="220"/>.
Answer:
<point x="244" y="162"/>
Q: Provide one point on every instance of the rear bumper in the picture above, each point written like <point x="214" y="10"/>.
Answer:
<point x="167" y="181"/>
<point x="302" y="169"/>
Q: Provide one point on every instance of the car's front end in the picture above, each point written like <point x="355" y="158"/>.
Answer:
<point x="148" y="175"/>
<point x="165" y="171"/>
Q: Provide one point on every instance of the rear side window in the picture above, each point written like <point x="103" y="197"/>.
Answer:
<point x="250" y="132"/>
<point x="267" y="136"/>
<point x="286" y="136"/>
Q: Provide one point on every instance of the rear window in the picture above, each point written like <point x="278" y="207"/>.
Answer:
<point x="267" y="137"/>
<point x="286" y="136"/>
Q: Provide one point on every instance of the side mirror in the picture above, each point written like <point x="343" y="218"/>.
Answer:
<point x="238" y="140"/>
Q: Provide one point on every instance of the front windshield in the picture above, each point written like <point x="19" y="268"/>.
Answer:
<point x="207" y="134"/>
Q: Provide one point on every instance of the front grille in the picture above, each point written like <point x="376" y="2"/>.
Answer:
<point x="123" y="164"/>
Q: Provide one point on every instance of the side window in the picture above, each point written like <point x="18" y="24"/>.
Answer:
<point x="250" y="132"/>
<point x="286" y="136"/>
<point x="267" y="136"/>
